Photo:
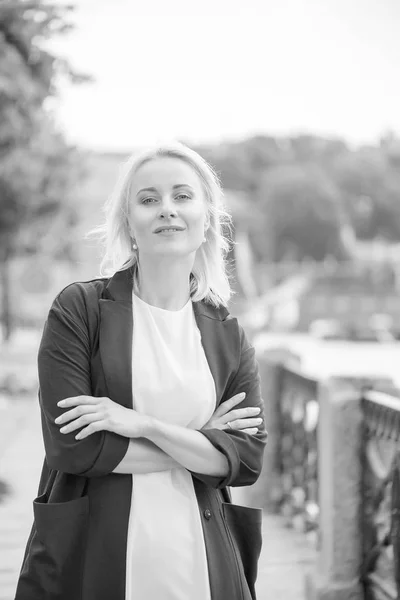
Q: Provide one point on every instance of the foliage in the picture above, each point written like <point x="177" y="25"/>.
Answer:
<point x="370" y="188"/>
<point x="301" y="213"/>
<point x="307" y="193"/>
<point x="38" y="169"/>
<point x="41" y="178"/>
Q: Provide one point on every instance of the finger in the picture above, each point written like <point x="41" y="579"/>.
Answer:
<point x="75" y="413"/>
<point x="76" y="400"/>
<point x="240" y="413"/>
<point x="92" y="428"/>
<point x="251" y="430"/>
<point x="81" y="422"/>
<point x="229" y="404"/>
<point x="246" y="423"/>
<point x="243" y="413"/>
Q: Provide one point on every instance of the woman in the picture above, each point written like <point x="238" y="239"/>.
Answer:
<point x="140" y="374"/>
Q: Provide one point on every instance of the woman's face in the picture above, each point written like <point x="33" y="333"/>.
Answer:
<point x="167" y="192"/>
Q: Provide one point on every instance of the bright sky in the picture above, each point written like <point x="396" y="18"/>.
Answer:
<point x="209" y="70"/>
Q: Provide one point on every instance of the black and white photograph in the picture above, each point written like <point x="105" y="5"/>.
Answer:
<point x="199" y="300"/>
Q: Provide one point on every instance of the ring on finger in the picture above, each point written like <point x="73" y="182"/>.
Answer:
<point x="229" y="425"/>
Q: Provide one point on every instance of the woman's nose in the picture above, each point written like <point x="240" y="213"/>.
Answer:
<point x="167" y="207"/>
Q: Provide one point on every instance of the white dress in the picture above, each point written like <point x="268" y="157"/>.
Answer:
<point x="171" y="380"/>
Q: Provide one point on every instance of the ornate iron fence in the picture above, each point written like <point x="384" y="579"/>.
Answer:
<point x="381" y="496"/>
<point x="298" y="449"/>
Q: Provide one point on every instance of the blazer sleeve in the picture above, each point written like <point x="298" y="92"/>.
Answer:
<point x="243" y="451"/>
<point x="64" y="371"/>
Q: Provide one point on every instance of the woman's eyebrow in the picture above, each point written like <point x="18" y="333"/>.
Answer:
<point x="174" y="187"/>
<point x="149" y="189"/>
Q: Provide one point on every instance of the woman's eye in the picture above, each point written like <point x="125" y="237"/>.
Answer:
<point x="150" y="199"/>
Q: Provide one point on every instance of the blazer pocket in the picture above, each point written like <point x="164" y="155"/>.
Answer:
<point x="61" y="529"/>
<point x="244" y="524"/>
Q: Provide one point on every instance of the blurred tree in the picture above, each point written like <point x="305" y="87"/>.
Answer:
<point x="369" y="181"/>
<point x="302" y="215"/>
<point x="241" y="164"/>
<point x="358" y="191"/>
<point x="390" y="146"/>
<point x="37" y="167"/>
<point x="316" y="150"/>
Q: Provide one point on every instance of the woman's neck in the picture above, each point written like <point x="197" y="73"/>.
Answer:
<point x="166" y="287"/>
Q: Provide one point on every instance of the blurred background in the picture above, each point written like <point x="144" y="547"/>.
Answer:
<point x="296" y="106"/>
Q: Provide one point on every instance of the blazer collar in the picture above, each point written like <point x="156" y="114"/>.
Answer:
<point x="119" y="288"/>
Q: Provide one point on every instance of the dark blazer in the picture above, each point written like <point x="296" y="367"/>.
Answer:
<point x="77" y="546"/>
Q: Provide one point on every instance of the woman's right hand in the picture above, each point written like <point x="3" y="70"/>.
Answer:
<point x="241" y="419"/>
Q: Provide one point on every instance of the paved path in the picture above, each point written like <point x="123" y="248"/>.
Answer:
<point x="285" y="555"/>
<point x="20" y="466"/>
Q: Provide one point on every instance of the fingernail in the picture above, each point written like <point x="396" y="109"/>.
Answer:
<point x="258" y="410"/>
<point x="58" y="420"/>
<point x="62" y="429"/>
<point x="61" y="403"/>
<point x="242" y="395"/>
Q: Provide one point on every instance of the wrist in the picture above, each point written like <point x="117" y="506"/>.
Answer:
<point x="151" y="428"/>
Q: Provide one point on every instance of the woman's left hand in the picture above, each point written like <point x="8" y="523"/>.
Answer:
<point x="99" y="414"/>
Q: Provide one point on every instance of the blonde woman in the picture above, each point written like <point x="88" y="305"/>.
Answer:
<point x="151" y="407"/>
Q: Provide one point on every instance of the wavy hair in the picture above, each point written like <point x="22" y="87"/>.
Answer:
<point x="210" y="277"/>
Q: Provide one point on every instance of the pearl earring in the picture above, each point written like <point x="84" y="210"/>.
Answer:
<point x="134" y="246"/>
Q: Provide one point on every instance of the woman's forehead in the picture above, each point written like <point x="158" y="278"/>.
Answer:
<point x="165" y="172"/>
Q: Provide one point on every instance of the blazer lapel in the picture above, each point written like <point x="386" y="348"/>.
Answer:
<point x="219" y="336"/>
<point x="115" y="337"/>
<point x="221" y="344"/>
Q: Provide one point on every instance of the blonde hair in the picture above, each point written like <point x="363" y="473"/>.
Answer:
<point x="209" y="279"/>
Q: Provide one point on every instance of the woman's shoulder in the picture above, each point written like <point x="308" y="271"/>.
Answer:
<point x="80" y="295"/>
<point x="207" y="309"/>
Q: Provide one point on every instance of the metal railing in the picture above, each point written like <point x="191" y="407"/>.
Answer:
<point x="381" y="496"/>
<point x="298" y="449"/>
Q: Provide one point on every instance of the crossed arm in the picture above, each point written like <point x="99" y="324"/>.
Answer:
<point x="170" y="447"/>
<point x="154" y="445"/>
<point x="143" y="456"/>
